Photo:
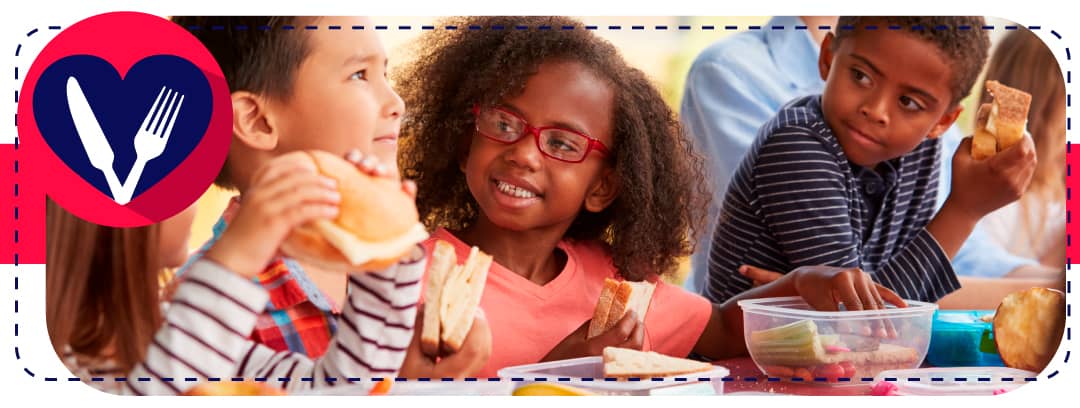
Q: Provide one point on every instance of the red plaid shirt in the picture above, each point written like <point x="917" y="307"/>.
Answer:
<point x="299" y="317"/>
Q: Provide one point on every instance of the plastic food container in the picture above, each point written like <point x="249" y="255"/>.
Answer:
<point x="956" y="380"/>
<point x="963" y="338"/>
<point x="790" y="340"/>
<point x="587" y="373"/>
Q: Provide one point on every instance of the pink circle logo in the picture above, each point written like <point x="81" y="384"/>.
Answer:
<point x="126" y="118"/>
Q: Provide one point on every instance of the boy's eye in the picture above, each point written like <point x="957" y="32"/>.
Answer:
<point x="361" y="75"/>
<point x="910" y="104"/>
<point x="860" y="77"/>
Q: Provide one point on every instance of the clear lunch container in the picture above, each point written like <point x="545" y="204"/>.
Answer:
<point x="789" y="339"/>
<point x="587" y="373"/>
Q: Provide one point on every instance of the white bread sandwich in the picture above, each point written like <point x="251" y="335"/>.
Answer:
<point x="627" y="363"/>
<point x="377" y="222"/>
<point x="451" y="298"/>
<point x="616" y="299"/>
<point x="1004" y="119"/>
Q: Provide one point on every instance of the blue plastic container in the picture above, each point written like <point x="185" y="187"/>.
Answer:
<point x="963" y="338"/>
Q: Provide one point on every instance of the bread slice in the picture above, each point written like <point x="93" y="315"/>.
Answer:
<point x="983" y="144"/>
<point x="618" y="298"/>
<point x="1008" y="114"/>
<point x="461" y="297"/>
<point x="625" y="363"/>
<point x="1028" y="327"/>
<point x="451" y="298"/>
<point x="603" y="307"/>
<point x="443" y="259"/>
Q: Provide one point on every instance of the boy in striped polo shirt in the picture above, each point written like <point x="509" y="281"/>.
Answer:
<point x="848" y="178"/>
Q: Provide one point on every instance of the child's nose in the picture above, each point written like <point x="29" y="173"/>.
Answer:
<point x="393" y="105"/>
<point x="525" y="153"/>
<point x="876" y="110"/>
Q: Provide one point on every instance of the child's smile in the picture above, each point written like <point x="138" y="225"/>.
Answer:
<point x="520" y="187"/>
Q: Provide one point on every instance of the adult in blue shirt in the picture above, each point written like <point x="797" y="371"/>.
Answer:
<point x="740" y="82"/>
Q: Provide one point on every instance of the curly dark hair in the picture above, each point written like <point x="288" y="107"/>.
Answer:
<point x="662" y="191"/>
<point x="961" y="39"/>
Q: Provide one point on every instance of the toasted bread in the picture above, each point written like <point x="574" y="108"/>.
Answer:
<point x="603" y="307"/>
<point x="627" y="363"/>
<point x="983" y="144"/>
<point x="443" y="260"/>
<point x="1028" y="327"/>
<point x="1008" y="114"/>
<point x="451" y="298"/>
<point x="461" y="298"/>
<point x="616" y="299"/>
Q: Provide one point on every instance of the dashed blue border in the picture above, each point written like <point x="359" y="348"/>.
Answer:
<point x="867" y="380"/>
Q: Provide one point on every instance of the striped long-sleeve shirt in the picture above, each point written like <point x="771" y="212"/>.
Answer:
<point x="796" y="200"/>
<point x="209" y="322"/>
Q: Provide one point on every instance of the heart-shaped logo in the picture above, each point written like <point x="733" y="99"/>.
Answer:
<point x="151" y="119"/>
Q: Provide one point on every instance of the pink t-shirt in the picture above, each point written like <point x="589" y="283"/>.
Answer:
<point x="528" y="320"/>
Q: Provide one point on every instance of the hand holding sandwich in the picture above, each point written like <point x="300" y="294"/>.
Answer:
<point x="470" y="358"/>
<point x="627" y="333"/>
<point x="979" y="187"/>
<point x="286" y="192"/>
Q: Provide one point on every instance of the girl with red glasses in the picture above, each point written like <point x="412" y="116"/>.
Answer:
<point x="532" y="139"/>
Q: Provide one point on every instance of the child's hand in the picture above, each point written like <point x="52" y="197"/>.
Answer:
<point x="286" y="192"/>
<point x="626" y="334"/>
<point x="370" y="165"/>
<point x="472" y="356"/>
<point x="758" y="275"/>
<point x="982" y="186"/>
<point x="825" y="287"/>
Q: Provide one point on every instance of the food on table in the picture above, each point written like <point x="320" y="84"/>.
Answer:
<point x="543" y="389"/>
<point x="226" y="388"/>
<point x="1028" y="327"/>
<point x="797" y="350"/>
<point x="627" y="363"/>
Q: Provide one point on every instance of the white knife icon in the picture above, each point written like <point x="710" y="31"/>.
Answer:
<point x="93" y="139"/>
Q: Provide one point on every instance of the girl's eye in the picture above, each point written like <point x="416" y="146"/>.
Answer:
<point x="910" y="104"/>
<point x="860" y="77"/>
<point x="361" y="75"/>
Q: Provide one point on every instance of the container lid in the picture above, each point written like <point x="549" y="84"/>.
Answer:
<point x="587" y="372"/>
<point x="956" y="380"/>
<point x="796" y="307"/>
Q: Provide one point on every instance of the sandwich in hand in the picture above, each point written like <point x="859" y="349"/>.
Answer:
<point x="451" y="298"/>
<point x="1001" y="123"/>
<point x="615" y="300"/>
<point x="377" y="223"/>
<point x="627" y="363"/>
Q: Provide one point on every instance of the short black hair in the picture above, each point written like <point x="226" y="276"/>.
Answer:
<point x="961" y="40"/>
<point x="256" y="54"/>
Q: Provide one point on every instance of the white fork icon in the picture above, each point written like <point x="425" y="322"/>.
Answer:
<point x="151" y="139"/>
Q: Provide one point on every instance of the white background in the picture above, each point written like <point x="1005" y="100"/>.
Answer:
<point x="18" y="17"/>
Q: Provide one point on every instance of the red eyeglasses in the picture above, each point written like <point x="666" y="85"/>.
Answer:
<point x="557" y="143"/>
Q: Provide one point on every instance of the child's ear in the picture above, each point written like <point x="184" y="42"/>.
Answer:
<point x="252" y="121"/>
<point x="825" y="56"/>
<point x="946" y="120"/>
<point x="603" y="192"/>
